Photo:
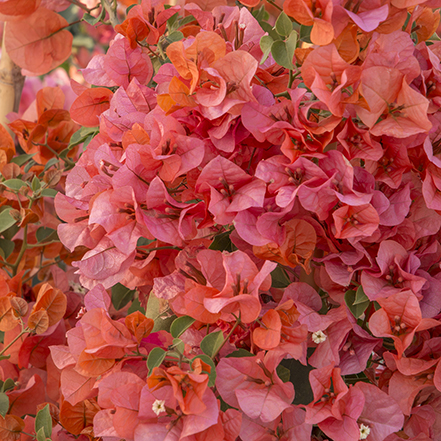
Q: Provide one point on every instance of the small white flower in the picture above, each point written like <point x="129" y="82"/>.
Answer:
<point x="158" y="406"/>
<point x="364" y="431"/>
<point x="318" y="337"/>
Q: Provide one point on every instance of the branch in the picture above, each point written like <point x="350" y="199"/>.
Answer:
<point x="110" y="7"/>
<point x="11" y="84"/>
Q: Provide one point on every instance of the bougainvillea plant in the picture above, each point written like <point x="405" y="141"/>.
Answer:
<point x="232" y="231"/>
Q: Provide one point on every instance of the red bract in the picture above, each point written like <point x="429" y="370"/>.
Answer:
<point x="261" y="394"/>
<point x="399" y="318"/>
<point x="249" y="190"/>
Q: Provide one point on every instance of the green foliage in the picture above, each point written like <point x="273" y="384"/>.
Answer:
<point x="180" y="325"/>
<point x="155" y="358"/>
<point x="22" y="159"/>
<point x="211" y="344"/>
<point x="4" y="404"/>
<point x="121" y="296"/>
<point x="265" y="44"/>
<point x="43" y="423"/>
<point x="14" y="184"/>
<point x="356" y="301"/>
<point x="305" y="33"/>
<point x="136" y="306"/>
<point x="240" y="353"/>
<point x="6" y="220"/>
<point x="94" y="20"/>
<point x="283" y="25"/>
<point x="82" y="135"/>
<point x="283" y="373"/>
<point x="45" y="234"/>
<point x="6" y="248"/>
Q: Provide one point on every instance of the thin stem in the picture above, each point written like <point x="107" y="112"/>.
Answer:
<point x="227" y="337"/>
<point x="42" y="267"/>
<point x="23" y="331"/>
<point x="36" y="245"/>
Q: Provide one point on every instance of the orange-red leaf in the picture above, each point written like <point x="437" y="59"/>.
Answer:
<point x="38" y="321"/>
<point x="11" y="427"/>
<point x="268" y="336"/>
<point x="76" y="418"/>
<point x="139" y="325"/>
<point x="6" y="143"/>
<point x="93" y="364"/>
<point x="39" y="43"/>
<point x="19" y="7"/>
<point x="53" y="301"/>
<point x="8" y="320"/>
<point x="86" y="109"/>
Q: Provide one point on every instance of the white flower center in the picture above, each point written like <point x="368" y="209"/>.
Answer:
<point x="364" y="431"/>
<point x="158" y="406"/>
<point x="318" y="337"/>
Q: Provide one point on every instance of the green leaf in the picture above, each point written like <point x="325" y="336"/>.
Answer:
<point x="40" y="434"/>
<point x="270" y="30"/>
<point x="121" y="296"/>
<point x="43" y="420"/>
<point x="155" y="358"/>
<point x="222" y="242"/>
<point x="50" y="163"/>
<point x="280" y="54"/>
<point x="211" y="343"/>
<point x="22" y="159"/>
<point x="305" y="33"/>
<point x="6" y="220"/>
<point x="180" y="325"/>
<point x="357" y="309"/>
<point x="283" y="373"/>
<point x="161" y="316"/>
<point x="136" y="306"/>
<point x="29" y="165"/>
<point x="240" y="353"/>
<point x="211" y="375"/>
<point x="80" y="135"/>
<point x="186" y="20"/>
<point x="35" y="184"/>
<point x="45" y="234"/>
<point x="49" y="192"/>
<point x="8" y="384"/>
<point x="4" y="404"/>
<point x="11" y="231"/>
<point x="261" y="14"/>
<point x="283" y="25"/>
<point x="175" y="36"/>
<point x="142" y="241"/>
<point x="7" y="246"/>
<point x="130" y="7"/>
<point x="171" y="22"/>
<point x="265" y="44"/>
<point x="94" y="20"/>
<point x="291" y="44"/>
<point x="279" y="279"/>
<point x="360" y="296"/>
<point x="178" y="346"/>
<point x="14" y="184"/>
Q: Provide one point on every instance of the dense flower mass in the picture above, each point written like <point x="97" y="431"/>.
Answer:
<point x="250" y="204"/>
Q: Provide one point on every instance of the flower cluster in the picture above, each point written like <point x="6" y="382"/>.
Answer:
<point x="265" y="193"/>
